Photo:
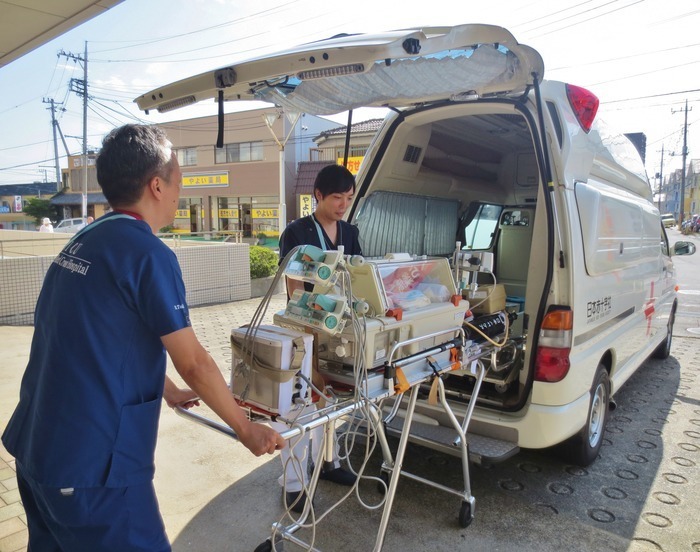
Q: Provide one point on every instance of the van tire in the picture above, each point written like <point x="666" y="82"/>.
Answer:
<point x="583" y="448"/>
<point x="663" y="351"/>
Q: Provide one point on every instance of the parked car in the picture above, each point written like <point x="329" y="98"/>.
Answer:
<point x="69" y="226"/>
<point x="668" y="219"/>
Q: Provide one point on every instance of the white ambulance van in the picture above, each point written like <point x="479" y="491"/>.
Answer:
<point x="546" y="202"/>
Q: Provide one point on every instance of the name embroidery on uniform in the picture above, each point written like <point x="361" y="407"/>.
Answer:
<point x="74" y="264"/>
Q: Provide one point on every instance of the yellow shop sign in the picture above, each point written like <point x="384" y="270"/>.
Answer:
<point x="204" y="180"/>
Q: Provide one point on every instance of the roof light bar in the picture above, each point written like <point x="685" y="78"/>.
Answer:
<point x="339" y="71"/>
<point x="176" y="104"/>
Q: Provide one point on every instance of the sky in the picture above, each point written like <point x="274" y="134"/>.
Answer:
<point x="640" y="57"/>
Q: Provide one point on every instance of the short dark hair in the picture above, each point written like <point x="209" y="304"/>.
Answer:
<point x="334" y="179"/>
<point x="131" y="156"/>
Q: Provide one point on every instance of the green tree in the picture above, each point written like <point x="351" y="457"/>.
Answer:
<point x="40" y="208"/>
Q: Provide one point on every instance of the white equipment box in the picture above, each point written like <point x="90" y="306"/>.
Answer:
<point x="264" y="371"/>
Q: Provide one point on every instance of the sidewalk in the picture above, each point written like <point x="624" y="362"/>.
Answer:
<point x="13" y="522"/>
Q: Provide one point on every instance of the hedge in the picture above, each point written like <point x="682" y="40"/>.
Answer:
<point x="263" y="262"/>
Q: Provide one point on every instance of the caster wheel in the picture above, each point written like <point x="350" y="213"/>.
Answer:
<point x="384" y="476"/>
<point x="264" y="547"/>
<point x="465" y="515"/>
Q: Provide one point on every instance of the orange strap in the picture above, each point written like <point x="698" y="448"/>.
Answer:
<point x="401" y="384"/>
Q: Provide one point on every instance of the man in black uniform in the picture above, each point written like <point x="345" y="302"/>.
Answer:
<point x="334" y="189"/>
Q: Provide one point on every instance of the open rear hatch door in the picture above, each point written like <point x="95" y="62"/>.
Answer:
<point x="395" y="69"/>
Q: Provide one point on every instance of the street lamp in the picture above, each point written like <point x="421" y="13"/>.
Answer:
<point x="270" y="118"/>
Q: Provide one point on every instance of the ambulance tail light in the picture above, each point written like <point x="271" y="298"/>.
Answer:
<point x="552" y="362"/>
<point x="584" y="104"/>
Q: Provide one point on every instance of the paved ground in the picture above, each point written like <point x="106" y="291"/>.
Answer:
<point x="640" y="495"/>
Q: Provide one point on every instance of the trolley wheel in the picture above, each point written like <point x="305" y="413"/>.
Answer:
<point x="384" y="476"/>
<point x="465" y="515"/>
<point x="264" y="547"/>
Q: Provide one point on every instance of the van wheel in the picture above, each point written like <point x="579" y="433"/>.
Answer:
<point x="663" y="351"/>
<point x="583" y="448"/>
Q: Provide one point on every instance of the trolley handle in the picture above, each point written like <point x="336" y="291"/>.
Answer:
<point x="295" y="431"/>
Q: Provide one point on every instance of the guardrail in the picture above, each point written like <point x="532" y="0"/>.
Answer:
<point x="32" y="248"/>
<point x="215" y="269"/>
<point x="221" y="236"/>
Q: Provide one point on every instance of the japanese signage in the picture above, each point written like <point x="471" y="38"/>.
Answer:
<point x="76" y="162"/>
<point x="265" y="213"/>
<point x="353" y="163"/>
<point x="228" y="213"/>
<point x="205" y="180"/>
<point x="18" y="204"/>
<point x="182" y="213"/>
<point x="306" y="205"/>
<point x="595" y="310"/>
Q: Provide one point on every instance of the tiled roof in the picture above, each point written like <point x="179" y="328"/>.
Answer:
<point x="306" y="175"/>
<point x="33" y="189"/>
<point x="69" y="198"/>
<point x="370" y="125"/>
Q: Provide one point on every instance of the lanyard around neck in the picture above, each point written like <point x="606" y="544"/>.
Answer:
<point x="322" y="239"/>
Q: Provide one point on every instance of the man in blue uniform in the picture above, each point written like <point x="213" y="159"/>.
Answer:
<point x="84" y="431"/>
<point x="334" y="189"/>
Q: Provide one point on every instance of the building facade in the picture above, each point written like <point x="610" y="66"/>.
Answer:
<point x="670" y="192"/>
<point x="13" y="198"/>
<point x="692" y="187"/>
<point x="80" y="185"/>
<point x="330" y="148"/>
<point x="237" y="187"/>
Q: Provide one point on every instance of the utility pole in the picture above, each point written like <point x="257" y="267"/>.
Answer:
<point x="270" y="118"/>
<point x="80" y="87"/>
<point x="660" y="175"/>
<point x="685" y="155"/>
<point x="54" y="125"/>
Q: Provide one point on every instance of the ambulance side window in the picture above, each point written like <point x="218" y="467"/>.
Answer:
<point x="664" y="242"/>
<point x="480" y="222"/>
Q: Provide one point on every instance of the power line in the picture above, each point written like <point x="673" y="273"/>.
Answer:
<point x="26" y="145"/>
<point x="576" y="14"/>
<point x="623" y="58"/>
<point x="652" y="96"/>
<point x="653" y="71"/>
<point x="590" y="18"/>
<point x="237" y="54"/>
<point x="179" y="36"/>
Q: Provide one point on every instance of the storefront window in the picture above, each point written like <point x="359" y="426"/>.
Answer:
<point x="227" y="214"/>
<point x="188" y="217"/>
<point x="265" y="221"/>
